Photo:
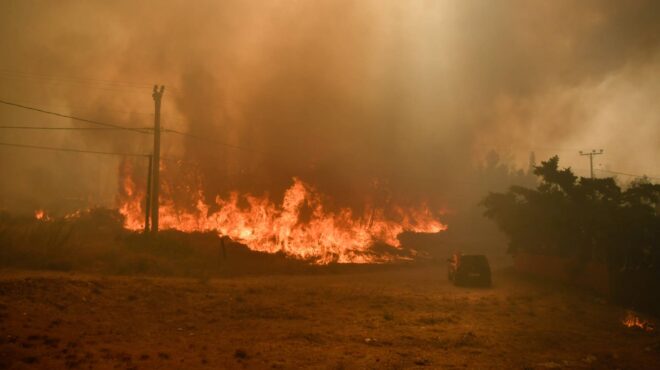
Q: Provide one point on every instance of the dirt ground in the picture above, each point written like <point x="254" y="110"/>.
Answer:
<point x="389" y="318"/>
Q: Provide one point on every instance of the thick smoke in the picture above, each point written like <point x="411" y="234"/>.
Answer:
<point x="376" y="101"/>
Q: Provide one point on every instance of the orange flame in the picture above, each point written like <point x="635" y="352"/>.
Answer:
<point x="633" y="321"/>
<point x="323" y="236"/>
<point x="40" y="214"/>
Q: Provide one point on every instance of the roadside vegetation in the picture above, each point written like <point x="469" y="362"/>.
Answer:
<point x="588" y="220"/>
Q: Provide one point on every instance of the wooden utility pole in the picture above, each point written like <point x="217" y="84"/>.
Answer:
<point x="591" y="155"/>
<point x="147" y="206"/>
<point x="157" y="95"/>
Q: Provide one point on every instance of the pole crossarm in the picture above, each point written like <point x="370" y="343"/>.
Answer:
<point x="591" y="155"/>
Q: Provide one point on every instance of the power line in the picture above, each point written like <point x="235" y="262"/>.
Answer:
<point x="81" y="107"/>
<point x="111" y="85"/>
<point x="79" y="80"/>
<point x="139" y="130"/>
<point x="65" y="128"/>
<point x="122" y="90"/>
<point x="28" y="146"/>
<point x="75" y="118"/>
<point x="628" y="174"/>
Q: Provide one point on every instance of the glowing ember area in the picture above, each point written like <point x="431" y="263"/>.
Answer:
<point x="300" y="227"/>
<point x="633" y="321"/>
<point x="40" y="214"/>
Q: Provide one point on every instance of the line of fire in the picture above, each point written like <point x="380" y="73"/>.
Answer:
<point x="336" y="184"/>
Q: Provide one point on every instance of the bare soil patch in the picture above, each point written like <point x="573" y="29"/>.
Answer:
<point x="408" y="317"/>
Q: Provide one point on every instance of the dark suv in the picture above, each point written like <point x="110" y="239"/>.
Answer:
<point x="469" y="269"/>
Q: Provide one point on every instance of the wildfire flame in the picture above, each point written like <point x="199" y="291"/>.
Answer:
<point x="299" y="227"/>
<point x="40" y="214"/>
<point x="631" y="320"/>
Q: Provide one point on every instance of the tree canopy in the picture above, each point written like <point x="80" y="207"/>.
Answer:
<point x="581" y="217"/>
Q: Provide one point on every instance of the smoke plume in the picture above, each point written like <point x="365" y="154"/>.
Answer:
<point x="375" y="101"/>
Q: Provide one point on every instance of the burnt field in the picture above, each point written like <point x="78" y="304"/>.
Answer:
<point x="382" y="317"/>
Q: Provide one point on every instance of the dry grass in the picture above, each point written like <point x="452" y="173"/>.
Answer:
<point x="389" y="319"/>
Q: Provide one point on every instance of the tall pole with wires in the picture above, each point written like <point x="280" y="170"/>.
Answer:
<point x="155" y="181"/>
<point x="591" y="155"/>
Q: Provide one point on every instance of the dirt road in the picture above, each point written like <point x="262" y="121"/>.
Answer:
<point x="385" y="319"/>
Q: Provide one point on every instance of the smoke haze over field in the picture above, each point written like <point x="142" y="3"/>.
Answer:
<point x="350" y="96"/>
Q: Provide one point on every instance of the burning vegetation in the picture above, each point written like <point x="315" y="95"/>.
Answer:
<point x="633" y="320"/>
<point x="302" y="142"/>
<point x="300" y="226"/>
<point x="96" y="241"/>
<point x="40" y="214"/>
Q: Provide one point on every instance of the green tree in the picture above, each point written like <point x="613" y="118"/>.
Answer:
<point x="585" y="218"/>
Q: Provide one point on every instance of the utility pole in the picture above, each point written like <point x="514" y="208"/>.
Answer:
<point x="591" y="155"/>
<point x="147" y="206"/>
<point x="157" y="95"/>
<point x="532" y="163"/>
